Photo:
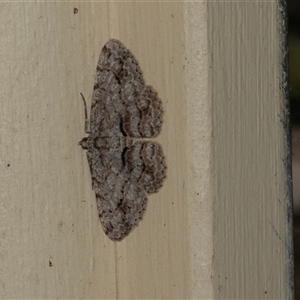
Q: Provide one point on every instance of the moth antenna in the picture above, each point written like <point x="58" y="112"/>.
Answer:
<point x="86" y="116"/>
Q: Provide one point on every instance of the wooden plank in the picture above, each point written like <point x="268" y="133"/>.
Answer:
<point x="253" y="256"/>
<point x="219" y="227"/>
<point x="52" y="243"/>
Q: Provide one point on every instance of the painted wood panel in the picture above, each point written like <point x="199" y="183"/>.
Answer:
<point x="219" y="227"/>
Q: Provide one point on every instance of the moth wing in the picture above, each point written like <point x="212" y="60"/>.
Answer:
<point x="120" y="203"/>
<point x="143" y="116"/>
<point x="145" y="165"/>
<point x="107" y="106"/>
<point x="138" y="105"/>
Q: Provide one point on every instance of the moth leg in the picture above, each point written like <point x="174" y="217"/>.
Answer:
<point x="86" y="116"/>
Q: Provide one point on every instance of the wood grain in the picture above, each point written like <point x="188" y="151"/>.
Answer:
<point x="52" y="243"/>
<point x="219" y="228"/>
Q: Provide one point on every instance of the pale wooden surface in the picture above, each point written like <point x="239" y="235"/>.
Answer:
<point x="51" y="242"/>
<point x="218" y="228"/>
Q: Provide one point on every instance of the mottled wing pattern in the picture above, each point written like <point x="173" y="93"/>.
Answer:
<point x="123" y="169"/>
<point x="120" y="85"/>
<point x="120" y="202"/>
<point x="145" y="165"/>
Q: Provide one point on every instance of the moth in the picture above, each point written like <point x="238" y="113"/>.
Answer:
<point x="124" y="167"/>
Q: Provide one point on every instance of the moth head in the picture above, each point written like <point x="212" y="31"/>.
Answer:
<point x="84" y="143"/>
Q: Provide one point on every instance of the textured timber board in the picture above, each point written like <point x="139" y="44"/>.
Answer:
<point x="253" y="249"/>
<point x="52" y="243"/>
<point x="219" y="228"/>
